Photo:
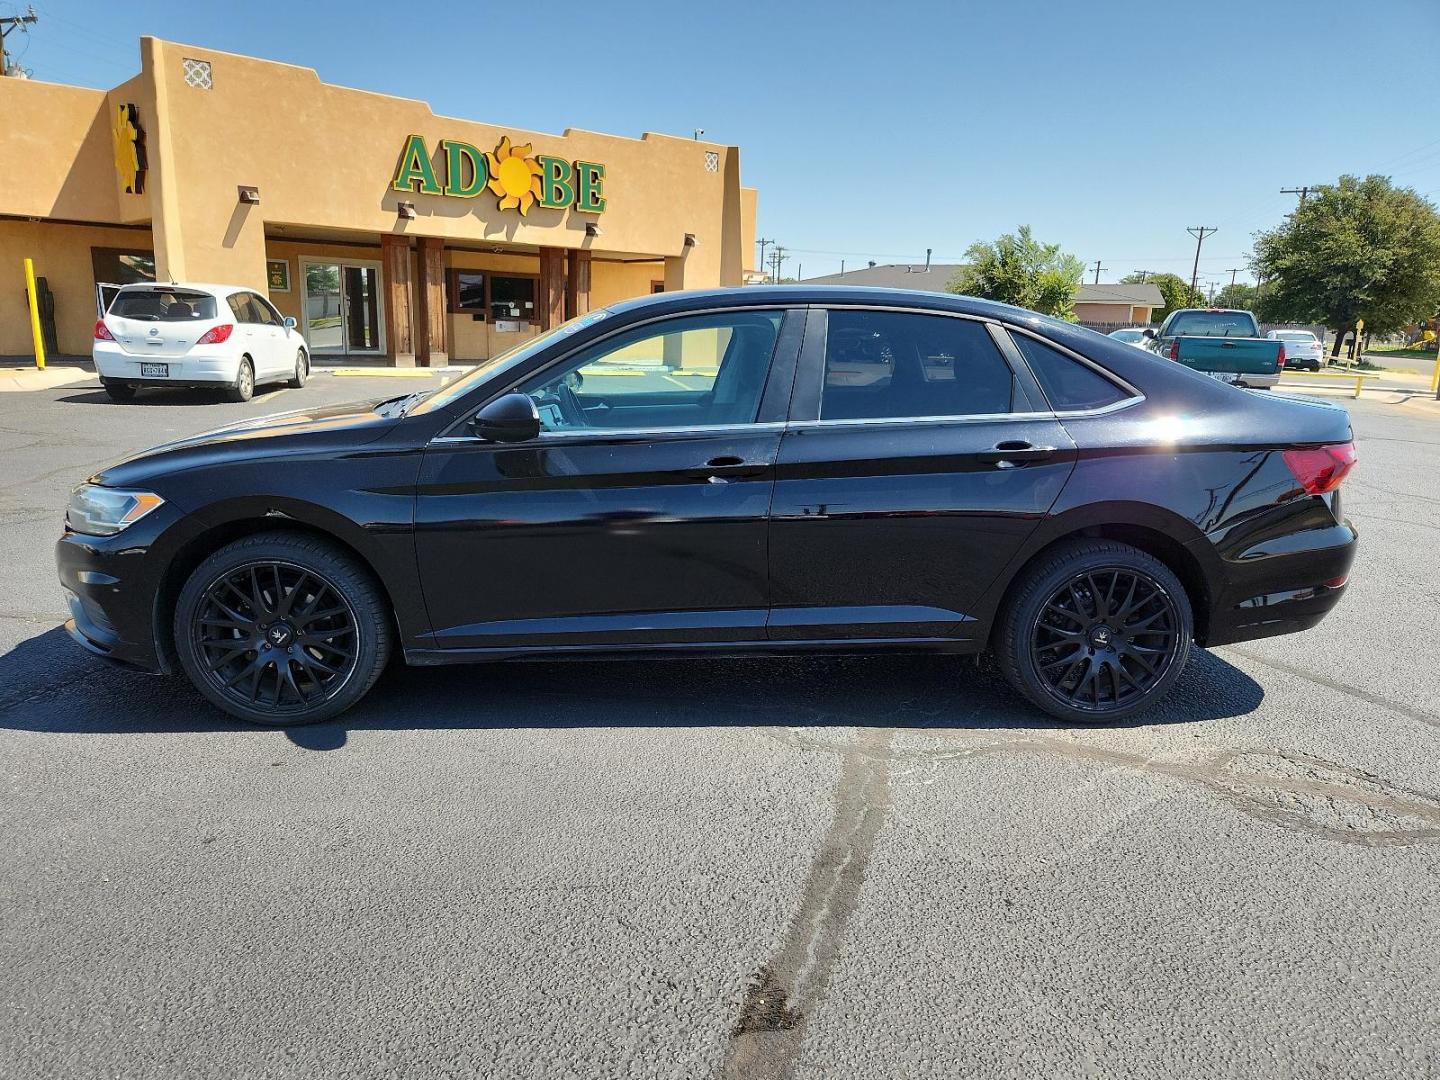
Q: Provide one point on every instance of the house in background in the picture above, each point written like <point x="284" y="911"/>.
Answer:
<point x="1117" y="303"/>
<point x="1125" y="304"/>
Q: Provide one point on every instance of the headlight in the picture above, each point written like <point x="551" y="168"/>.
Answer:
<point x="102" y="511"/>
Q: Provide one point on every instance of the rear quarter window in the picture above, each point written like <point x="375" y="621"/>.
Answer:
<point x="1068" y="384"/>
<point x="169" y="305"/>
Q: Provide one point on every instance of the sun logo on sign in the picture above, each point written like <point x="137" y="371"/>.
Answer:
<point x="129" y="139"/>
<point x="514" y="175"/>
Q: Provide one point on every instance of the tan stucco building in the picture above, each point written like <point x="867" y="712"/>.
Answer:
<point x="385" y="230"/>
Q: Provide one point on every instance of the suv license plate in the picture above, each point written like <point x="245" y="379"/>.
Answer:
<point x="1223" y="376"/>
<point x="155" y="371"/>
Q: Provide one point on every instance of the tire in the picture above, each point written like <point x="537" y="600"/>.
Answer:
<point x="1083" y="665"/>
<point x="243" y="389"/>
<point x="118" y="391"/>
<point x="282" y="629"/>
<point x="302" y="370"/>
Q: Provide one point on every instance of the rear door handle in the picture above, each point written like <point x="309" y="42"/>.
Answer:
<point x="1013" y="452"/>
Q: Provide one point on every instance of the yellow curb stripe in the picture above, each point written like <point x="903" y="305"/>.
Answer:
<point x="383" y="373"/>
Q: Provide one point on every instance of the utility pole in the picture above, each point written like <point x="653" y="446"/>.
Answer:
<point x="778" y="257"/>
<point x="1200" y="232"/>
<point x="1301" y="191"/>
<point x="763" y="245"/>
<point x="1143" y="275"/>
<point x="1098" y="268"/>
<point x="842" y="267"/>
<point x="7" y="25"/>
<point x="1232" y="272"/>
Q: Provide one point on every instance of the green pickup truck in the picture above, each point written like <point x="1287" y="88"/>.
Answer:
<point x="1226" y="345"/>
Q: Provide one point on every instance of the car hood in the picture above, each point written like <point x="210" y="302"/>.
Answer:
<point x="300" y="431"/>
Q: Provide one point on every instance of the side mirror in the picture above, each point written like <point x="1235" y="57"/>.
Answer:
<point x="290" y="322"/>
<point x="512" y="418"/>
<point x="1149" y="332"/>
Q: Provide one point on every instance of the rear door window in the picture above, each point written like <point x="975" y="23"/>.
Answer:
<point x="1068" y="384"/>
<point x="891" y="365"/>
<point x="163" y="305"/>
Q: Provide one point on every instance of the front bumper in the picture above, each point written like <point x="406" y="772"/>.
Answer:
<point x="113" y="585"/>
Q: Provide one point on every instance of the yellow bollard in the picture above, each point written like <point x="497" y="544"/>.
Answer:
<point x="34" y="315"/>
<point x="1435" y="379"/>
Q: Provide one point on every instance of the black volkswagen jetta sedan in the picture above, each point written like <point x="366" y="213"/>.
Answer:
<point x="759" y="470"/>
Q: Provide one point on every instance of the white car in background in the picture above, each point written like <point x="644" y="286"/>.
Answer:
<point x="1302" y="351"/>
<point x="1130" y="335"/>
<point x="220" y="336"/>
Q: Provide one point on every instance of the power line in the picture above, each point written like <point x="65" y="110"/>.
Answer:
<point x="8" y="25"/>
<point x="1199" y="232"/>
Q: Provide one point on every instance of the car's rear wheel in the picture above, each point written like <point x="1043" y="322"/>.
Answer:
<point x="1095" y="632"/>
<point x="118" y="391"/>
<point x="243" y="388"/>
<point x="281" y="629"/>
<point x="302" y="369"/>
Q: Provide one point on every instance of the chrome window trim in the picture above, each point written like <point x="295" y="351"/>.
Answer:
<point x="972" y="418"/>
<point x="592" y="433"/>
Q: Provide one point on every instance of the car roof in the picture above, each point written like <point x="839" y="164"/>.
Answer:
<point x="826" y="294"/>
<point x="191" y="286"/>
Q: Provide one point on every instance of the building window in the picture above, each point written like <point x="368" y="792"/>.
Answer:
<point x="512" y="298"/>
<point x="115" y="266"/>
<point x="467" y="291"/>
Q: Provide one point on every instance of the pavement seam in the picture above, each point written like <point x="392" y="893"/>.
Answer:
<point x="783" y="994"/>
<point x="1419" y="715"/>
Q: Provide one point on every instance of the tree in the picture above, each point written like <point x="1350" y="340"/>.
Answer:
<point x="1240" y="296"/>
<point x="1173" y="290"/>
<point x="1356" y="249"/>
<point x="1018" y="269"/>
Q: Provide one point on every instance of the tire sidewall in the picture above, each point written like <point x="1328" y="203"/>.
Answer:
<point x="302" y="369"/>
<point x="244" y="388"/>
<point x="1014" y="651"/>
<point x="371" y="621"/>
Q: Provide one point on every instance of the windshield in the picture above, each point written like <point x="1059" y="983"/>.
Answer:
<point x="1128" y="335"/>
<point x="444" y="395"/>
<point x="1213" y="324"/>
<point x="1309" y="339"/>
<point x="163" y="305"/>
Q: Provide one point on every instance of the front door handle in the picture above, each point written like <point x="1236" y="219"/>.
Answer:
<point x="1014" y="452"/>
<point x="720" y="470"/>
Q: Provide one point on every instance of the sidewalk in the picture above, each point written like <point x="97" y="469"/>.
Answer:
<point x="26" y="377"/>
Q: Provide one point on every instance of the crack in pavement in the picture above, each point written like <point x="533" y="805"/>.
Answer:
<point x="766" y="1039"/>
<point x="1420" y="715"/>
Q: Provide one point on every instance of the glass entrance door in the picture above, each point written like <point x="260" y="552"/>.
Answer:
<point x="343" y="315"/>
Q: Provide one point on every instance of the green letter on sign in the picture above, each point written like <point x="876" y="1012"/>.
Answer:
<point x="415" y="165"/>
<point x="590" y="200"/>
<point x="456" y="156"/>
<point x="557" y="182"/>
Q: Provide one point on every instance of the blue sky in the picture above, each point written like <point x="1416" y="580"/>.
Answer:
<point x="876" y="130"/>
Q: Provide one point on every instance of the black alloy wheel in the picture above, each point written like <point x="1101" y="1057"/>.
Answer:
<point x="1096" y="632"/>
<point x="1105" y="638"/>
<point x="281" y="629"/>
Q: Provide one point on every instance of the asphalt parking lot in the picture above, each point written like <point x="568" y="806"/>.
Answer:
<point x="839" y="868"/>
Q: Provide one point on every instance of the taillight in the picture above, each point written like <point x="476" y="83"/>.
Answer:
<point x="216" y="335"/>
<point x="1281" y="358"/>
<point x="1321" y="470"/>
<point x="1174" y="353"/>
<point x="102" y="332"/>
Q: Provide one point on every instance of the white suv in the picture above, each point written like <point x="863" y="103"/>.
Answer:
<point x="219" y="336"/>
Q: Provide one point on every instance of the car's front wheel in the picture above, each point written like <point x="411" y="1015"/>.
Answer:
<point x="1095" y="632"/>
<point x="302" y="370"/>
<point x="282" y="628"/>
<point x="243" y="388"/>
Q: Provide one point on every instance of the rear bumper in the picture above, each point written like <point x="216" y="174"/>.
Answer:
<point x="1285" y="589"/>
<point x="196" y="368"/>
